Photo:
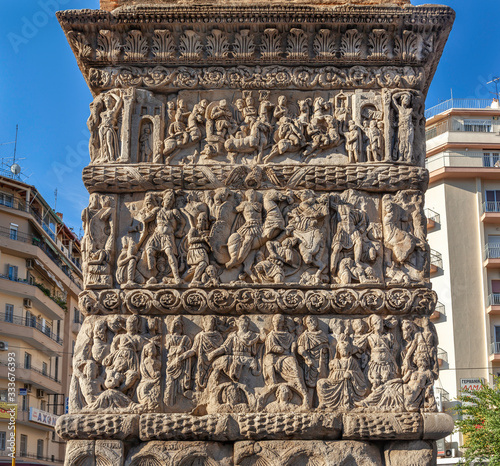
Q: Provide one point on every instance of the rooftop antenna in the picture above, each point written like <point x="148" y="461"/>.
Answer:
<point x="15" y="144"/>
<point x="15" y="168"/>
<point x="9" y="166"/>
<point x="55" y="201"/>
<point x="496" y="81"/>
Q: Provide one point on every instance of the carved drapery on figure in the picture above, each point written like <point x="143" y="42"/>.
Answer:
<point x="255" y="253"/>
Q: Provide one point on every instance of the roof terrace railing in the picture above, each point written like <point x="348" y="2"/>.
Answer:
<point x="458" y="103"/>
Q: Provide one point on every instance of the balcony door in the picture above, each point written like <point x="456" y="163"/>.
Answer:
<point x="494" y="246"/>
<point x="492" y="201"/>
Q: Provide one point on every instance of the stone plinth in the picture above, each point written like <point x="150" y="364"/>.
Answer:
<point x="255" y="255"/>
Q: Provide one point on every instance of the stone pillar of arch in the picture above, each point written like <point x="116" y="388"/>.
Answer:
<point x="255" y="255"/>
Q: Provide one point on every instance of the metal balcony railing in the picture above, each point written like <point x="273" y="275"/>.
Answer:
<point x="495" y="347"/>
<point x="33" y="368"/>
<point x="457" y="103"/>
<point x="35" y="241"/>
<point x="494" y="299"/>
<point x="492" y="251"/>
<point x="491" y="206"/>
<point x="19" y="205"/>
<point x="442" y="355"/>
<point x="445" y="396"/>
<point x="432" y="215"/>
<point x="60" y="302"/>
<point x="436" y="259"/>
<point x="53" y="459"/>
<point x="32" y="323"/>
<point x="440" y="308"/>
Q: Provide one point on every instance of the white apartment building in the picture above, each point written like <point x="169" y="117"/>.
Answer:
<point x="463" y="209"/>
<point x="40" y="279"/>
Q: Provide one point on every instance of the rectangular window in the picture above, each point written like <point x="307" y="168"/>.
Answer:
<point x="13" y="231"/>
<point x="477" y="126"/>
<point x="491" y="159"/>
<point x="497" y="333"/>
<point x="3" y="438"/>
<point x="43" y="405"/>
<point x="27" y="361"/>
<point x="77" y="317"/>
<point x="29" y="319"/>
<point x="23" y="449"/>
<point x="13" y="272"/>
<point x="6" y="200"/>
<point x="26" y="403"/>
<point x="44" y="368"/>
<point x="39" y="449"/>
<point x="9" y="313"/>
<point x="56" y="367"/>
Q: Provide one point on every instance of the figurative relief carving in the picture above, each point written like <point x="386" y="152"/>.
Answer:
<point x="255" y="256"/>
<point x="98" y="241"/>
<point x="233" y="237"/>
<point x="332" y="129"/>
<point x="222" y="365"/>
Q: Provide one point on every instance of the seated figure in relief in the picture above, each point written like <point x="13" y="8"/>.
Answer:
<point x="346" y="383"/>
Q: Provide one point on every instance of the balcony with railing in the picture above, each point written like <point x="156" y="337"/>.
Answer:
<point x="33" y="332"/>
<point x="49" y="460"/>
<point x="51" y="306"/>
<point x="432" y="218"/>
<point x="493" y="307"/>
<point x="491" y="212"/>
<point x="477" y="104"/>
<point x="492" y="255"/>
<point x="29" y="373"/>
<point x="438" y="313"/>
<point x="495" y="351"/>
<point x="436" y="261"/>
<point x="442" y="357"/>
<point x="14" y="203"/>
<point x="33" y="240"/>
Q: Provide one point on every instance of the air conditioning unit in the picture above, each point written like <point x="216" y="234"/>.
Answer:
<point x="40" y="393"/>
<point x="28" y="387"/>
<point x="30" y="263"/>
<point x="4" y="346"/>
<point x="27" y="303"/>
<point x="450" y="453"/>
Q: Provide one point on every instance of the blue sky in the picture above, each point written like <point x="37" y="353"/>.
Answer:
<point x="42" y="90"/>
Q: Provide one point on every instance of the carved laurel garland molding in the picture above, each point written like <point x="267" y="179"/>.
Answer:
<point x="198" y="301"/>
<point x="143" y="177"/>
<point x="151" y="426"/>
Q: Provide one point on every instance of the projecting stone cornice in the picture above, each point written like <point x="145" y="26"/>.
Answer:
<point x="278" y="34"/>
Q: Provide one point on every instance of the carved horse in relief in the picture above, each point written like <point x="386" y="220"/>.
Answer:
<point x="256" y="141"/>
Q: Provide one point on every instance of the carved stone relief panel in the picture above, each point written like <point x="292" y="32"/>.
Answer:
<point x="256" y="237"/>
<point x="254" y="127"/>
<point x="98" y="243"/>
<point x="273" y="364"/>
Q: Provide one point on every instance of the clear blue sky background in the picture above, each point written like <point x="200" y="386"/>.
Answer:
<point x="42" y="90"/>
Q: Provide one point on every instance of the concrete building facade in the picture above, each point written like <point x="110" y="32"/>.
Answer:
<point x="463" y="210"/>
<point x="40" y="278"/>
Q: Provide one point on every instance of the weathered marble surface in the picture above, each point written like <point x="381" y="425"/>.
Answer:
<point x="255" y="254"/>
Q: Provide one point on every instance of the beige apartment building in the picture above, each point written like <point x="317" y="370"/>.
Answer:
<point x="463" y="209"/>
<point x="40" y="278"/>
